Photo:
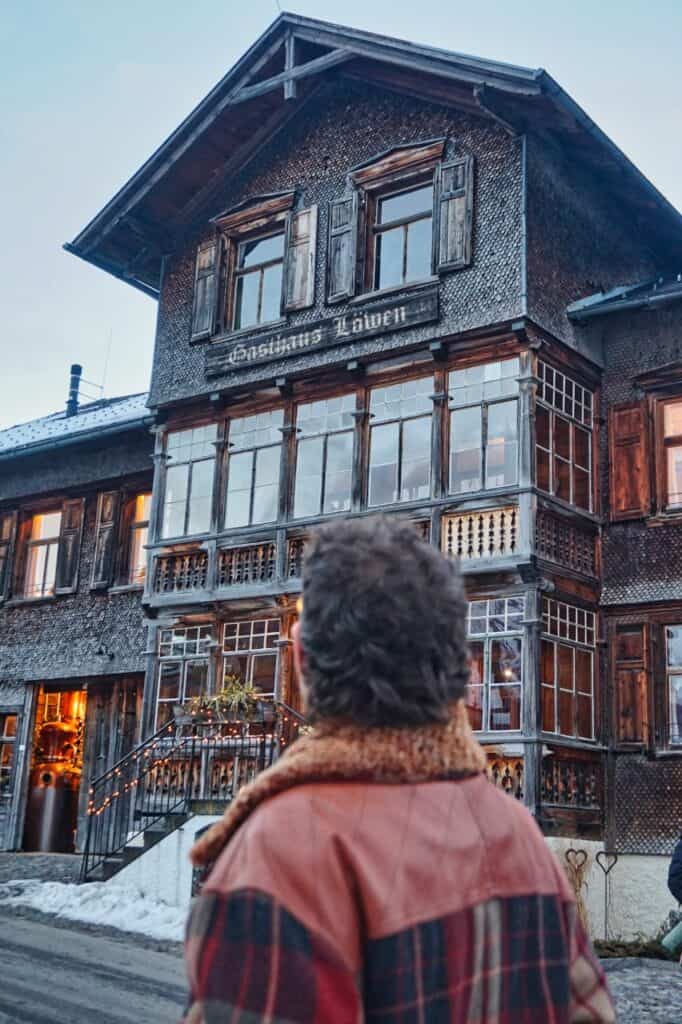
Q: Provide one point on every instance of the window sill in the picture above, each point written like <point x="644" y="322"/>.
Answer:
<point x="395" y="289"/>
<point x="17" y="602"/>
<point x="672" y="518"/>
<point x="550" y="501"/>
<point x="244" y="332"/>
<point x="126" y="588"/>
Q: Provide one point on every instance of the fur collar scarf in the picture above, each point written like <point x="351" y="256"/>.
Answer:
<point x="347" y="753"/>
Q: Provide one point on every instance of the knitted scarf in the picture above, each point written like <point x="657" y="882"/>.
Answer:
<point x="348" y="753"/>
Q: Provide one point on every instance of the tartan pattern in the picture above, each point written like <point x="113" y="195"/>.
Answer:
<point x="516" y="960"/>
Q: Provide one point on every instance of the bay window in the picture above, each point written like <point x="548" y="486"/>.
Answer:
<point x="483" y="402"/>
<point x="495" y="631"/>
<point x="567" y="670"/>
<point x="255" y="445"/>
<point x="324" y="456"/>
<point x="673" y="662"/>
<point x="400" y="442"/>
<point x="188" y="498"/>
<point x="563" y="423"/>
<point x="250" y="653"/>
<point x="182" y="668"/>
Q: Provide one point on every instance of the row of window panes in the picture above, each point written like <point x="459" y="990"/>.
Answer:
<point x="496" y="674"/>
<point x="567" y="689"/>
<point x="563" y="394"/>
<point x="567" y="622"/>
<point x="563" y="458"/>
<point x="496" y="615"/>
<point x="484" y="452"/>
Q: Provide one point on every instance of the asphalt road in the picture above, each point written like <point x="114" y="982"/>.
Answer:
<point x="59" y="976"/>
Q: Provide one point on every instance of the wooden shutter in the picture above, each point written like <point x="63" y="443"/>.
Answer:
<point x="205" y="290"/>
<point x="124" y="539"/>
<point x="629" y="489"/>
<point x="105" y="541"/>
<point x="18" y="584"/>
<point x="68" y="557"/>
<point x="630" y="684"/>
<point x="8" y="530"/>
<point x="299" y="266"/>
<point x="454" y="213"/>
<point x="343" y="244"/>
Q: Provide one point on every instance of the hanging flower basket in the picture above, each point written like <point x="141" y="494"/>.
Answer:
<point x="236" y="703"/>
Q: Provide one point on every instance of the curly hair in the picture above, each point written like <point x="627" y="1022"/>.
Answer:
<point x="383" y="625"/>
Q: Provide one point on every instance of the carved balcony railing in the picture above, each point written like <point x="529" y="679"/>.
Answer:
<point x="567" y="544"/>
<point x="256" y="563"/>
<point x="295" y="553"/>
<point x="507" y="774"/>
<point x="485" y="534"/>
<point x="180" y="572"/>
<point x="572" y="783"/>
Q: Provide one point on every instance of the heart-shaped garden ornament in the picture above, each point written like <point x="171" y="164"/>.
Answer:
<point x="576" y="859"/>
<point x="607" y="861"/>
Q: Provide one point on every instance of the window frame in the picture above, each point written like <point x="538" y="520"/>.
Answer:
<point x="184" y="660"/>
<point x="47" y="542"/>
<point x="135" y="526"/>
<point x="487" y="639"/>
<point x="558" y="639"/>
<point x="484" y="405"/>
<point x="298" y="437"/>
<point x="252" y="653"/>
<point x="253" y="450"/>
<point x="238" y="273"/>
<point x="670" y="671"/>
<point x="170" y="463"/>
<point x="8" y="740"/>
<point x="588" y="425"/>
<point x="376" y="194"/>
<point x="663" y="445"/>
<point x="400" y="421"/>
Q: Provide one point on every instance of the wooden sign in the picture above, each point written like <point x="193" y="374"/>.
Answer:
<point x="383" y="317"/>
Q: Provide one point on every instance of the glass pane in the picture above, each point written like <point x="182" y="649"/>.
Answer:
<point x="674" y="476"/>
<point x="261" y="250"/>
<point x="581" y="447"/>
<point x="675" y="684"/>
<point x="46" y="526"/>
<point x="246" y="300"/>
<point x="308" y="477"/>
<point x="674" y="646"/>
<point x="581" y="488"/>
<point x="236" y="665"/>
<point x="476" y="679"/>
<point x="389" y="258"/>
<point x="672" y="416"/>
<point x="325" y="415"/>
<point x="272" y="294"/>
<point x="562" y="437"/>
<point x="416" y="468"/>
<point x="196" y="674"/>
<point x="496" y="616"/>
<point x="585" y="730"/>
<point x="474" y="705"/>
<point x="419" y="238"/>
<point x="548" y="698"/>
<point x="175" y="500"/>
<point x="505" y="707"/>
<point x="486" y="381"/>
<point x="501" y="456"/>
<point x="201" y="496"/>
<point x="35" y="571"/>
<point x="505" y="658"/>
<point x="583" y="671"/>
<point x="562" y="479"/>
<point x="142" y="505"/>
<point x="5" y="527"/>
<point x="465" y="450"/>
<point x="565" y="667"/>
<point x="263" y="667"/>
<point x="542" y="469"/>
<point x="266" y="488"/>
<point x="164" y="713"/>
<point x="169" y="680"/>
<point x="406" y="204"/>
<point x="407" y="399"/>
<point x="566" y="712"/>
<point x="542" y="426"/>
<point x="383" y="464"/>
<point x="10" y="727"/>
<point x="240" y="467"/>
<point x="137" y="567"/>
<point x="337" y="486"/>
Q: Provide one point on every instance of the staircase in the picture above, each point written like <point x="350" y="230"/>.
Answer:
<point x="179" y="771"/>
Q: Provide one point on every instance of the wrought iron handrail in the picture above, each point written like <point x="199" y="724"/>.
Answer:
<point x="169" y="770"/>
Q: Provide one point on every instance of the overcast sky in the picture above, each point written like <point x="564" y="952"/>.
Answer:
<point x="88" y="90"/>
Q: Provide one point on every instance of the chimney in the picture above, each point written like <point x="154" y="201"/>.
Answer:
<point x="74" y="386"/>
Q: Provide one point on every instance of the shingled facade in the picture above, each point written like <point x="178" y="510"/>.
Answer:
<point x="378" y="268"/>
<point x="74" y="497"/>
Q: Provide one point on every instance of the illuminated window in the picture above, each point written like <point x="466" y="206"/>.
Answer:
<point x="139" y="533"/>
<point x="672" y="441"/>
<point x="563" y="423"/>
<point x="41" y="555"/>
<point x="255" y="445"/>
<point x="258" y="280"/>
<point x="495" y="629"/>
<point x="190" y="459"/>
<point x="567" y="670"/>
<point x="673" y="660"/>
<point x="183" y="668"/>
<point x="8" y="736"/>
<point x="484" y="426"/>
<point x="400" y="442"/>
<point x="250" y="653"/>
<point x="324" y="456"/>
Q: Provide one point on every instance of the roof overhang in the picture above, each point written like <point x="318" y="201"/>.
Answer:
<point x="268" y="86"/>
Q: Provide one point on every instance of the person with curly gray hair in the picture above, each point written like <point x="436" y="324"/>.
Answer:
<point x="373" y="873"/>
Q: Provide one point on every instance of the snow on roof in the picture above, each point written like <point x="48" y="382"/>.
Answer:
<point x="94" y="417"/>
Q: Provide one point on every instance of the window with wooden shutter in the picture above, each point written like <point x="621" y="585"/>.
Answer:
<point x="454" y="213"/>
<point x="299" y="272"/>
<point x="69" y="546"/>
<point x="8" y="529"/>
<point x="105" y="540"/>
<point x="630" y="684"/>
<point x="629" y="489"/>
<point x="342" y="255"/>
<point x="205" y="290"/>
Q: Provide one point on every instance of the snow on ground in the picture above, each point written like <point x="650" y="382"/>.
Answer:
<point x="100" y="903"/>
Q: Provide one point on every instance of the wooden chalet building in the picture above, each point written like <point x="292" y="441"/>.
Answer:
<point x="75" y="490"/>
<point x="396" y="278"/>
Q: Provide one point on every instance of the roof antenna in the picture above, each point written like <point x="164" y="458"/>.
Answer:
<point x="279" y="7"/>
<point x="106" y="361"/>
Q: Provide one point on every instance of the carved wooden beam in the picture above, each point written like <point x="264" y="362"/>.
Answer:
<point x="292" y="75"/>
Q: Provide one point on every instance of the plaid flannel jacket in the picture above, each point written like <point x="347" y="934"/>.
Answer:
<point x="434" y="903"/>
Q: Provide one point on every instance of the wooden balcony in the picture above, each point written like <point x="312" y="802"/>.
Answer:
<point x="180" y="572"/>
<point x="571" y="793"/>
<point x="255" y="563"/>
<point x="481" y="535"/>
<point x="507" y="774"/>
<point x="568" y="544"/>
